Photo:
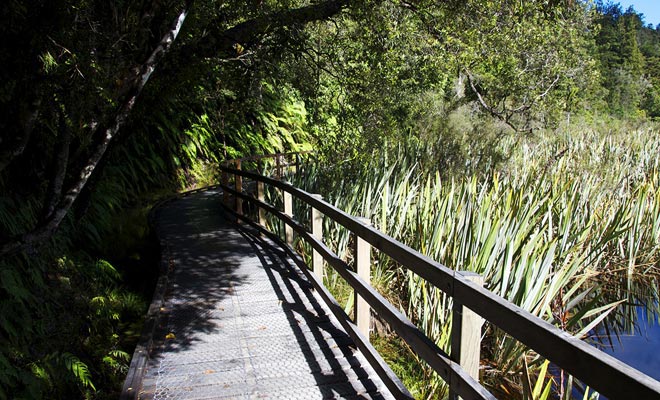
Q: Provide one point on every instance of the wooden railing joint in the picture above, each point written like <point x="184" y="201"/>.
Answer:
<point x="472" y="302"/>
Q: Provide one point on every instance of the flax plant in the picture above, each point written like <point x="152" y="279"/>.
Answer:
<point x="544" y="229"/>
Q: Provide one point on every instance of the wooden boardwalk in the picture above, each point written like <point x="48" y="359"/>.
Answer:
<point x="239" y="321"/>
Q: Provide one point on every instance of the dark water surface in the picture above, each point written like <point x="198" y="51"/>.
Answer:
<point x="639" y="348"/>
<point x="638" y="345"/>
<point x="631" y="336"/>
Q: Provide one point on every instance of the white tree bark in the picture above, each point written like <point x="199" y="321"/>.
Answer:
<point x="47" y="227"/>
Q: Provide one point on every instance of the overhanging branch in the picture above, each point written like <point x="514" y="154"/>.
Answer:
<point x="47" y="227"/>
<point x="502" y="116"/>
<point x="246" y="34"/>
<point x="505" y="114"/>
<point x="216" y="42"/>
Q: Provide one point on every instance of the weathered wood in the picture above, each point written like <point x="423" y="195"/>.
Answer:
<point x="283" y="161"/>
<point x="225" y="182"/>
<point x="600" y="371"/>
<point x="466" y="335"/>
<point x="238" y="181"/>
<point x="450" y="371"/>
<point x="317" y="232"/>
<point x="389" y="378"/>
<point x="288" y="210"/>
<point x="261" y="197"/>
<point x="239" y="319"/>
<point x="137" y="369"/>
<point x="363" y="269"/>
<point x="273" y="155"/>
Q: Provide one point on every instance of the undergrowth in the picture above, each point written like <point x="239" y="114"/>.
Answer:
<point x="73" y="344"/>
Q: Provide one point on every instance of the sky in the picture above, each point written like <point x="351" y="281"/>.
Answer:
<point x="650" y="9"/>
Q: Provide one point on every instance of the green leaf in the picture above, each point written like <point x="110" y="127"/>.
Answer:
<point x="79" y="369"/>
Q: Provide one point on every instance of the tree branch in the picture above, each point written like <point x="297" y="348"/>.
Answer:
<point x="60" y="167"/>
<point x="506" y="114"/>
<point x="48" y="227"/>
<point x="492" y="111"/>
<point x="246" y="34"/>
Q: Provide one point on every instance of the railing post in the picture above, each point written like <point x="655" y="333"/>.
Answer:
<point x="363" y="269"/>
<point x="238" y="180"/>
<point x="261" y="197"/>
<point x="317" y="232"/>
<point x="466" y="335"/>
<point x="288" y="210"/>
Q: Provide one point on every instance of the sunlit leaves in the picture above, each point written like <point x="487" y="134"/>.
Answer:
<point x="79" y="369"/>
<point x="562" y="211"/>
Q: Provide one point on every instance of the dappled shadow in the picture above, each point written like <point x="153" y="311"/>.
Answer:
<point x="204" y="256"/>
<point x="328" y="351"/>
<point x="238" y="320"/>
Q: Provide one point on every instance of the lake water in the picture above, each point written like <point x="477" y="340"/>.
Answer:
<point x="640" y="348"/>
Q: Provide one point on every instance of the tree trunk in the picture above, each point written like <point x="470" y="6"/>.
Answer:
<point x="59" y="167"/>
<point x="48" y="226"/>
<point x="216" y="42"/>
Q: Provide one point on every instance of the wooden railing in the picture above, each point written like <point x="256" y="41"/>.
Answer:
<point x="279" y="162"/>
<point x="601" y="372"/>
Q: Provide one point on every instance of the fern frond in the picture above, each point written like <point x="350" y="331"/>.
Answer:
<point x="79" y="369"/>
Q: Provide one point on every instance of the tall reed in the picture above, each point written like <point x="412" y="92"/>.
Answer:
<point x="562" y="211"/>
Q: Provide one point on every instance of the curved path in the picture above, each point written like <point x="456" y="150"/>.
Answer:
<point x="237" y="319"/>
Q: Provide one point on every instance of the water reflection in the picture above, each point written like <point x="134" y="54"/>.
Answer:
<point x="638" y="347"/>
<point x="632" y="332"/>
<point x="635" y="316"/>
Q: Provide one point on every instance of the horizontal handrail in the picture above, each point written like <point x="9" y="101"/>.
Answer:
<point x="450" y="371"/>
<point x="281" y="161"/>
<point x="273" y="155"/>
<point x="390" y="379"/>
<point x="597" y="369"/>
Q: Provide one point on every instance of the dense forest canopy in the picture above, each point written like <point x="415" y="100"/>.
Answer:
<point x="106" y="103"/>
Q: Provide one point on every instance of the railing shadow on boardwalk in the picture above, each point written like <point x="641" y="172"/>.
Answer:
<point x="275" y="261"/>
<point x="224" y="287"/>
<point x="600" y="371"/>
<point x="196" y="294"/>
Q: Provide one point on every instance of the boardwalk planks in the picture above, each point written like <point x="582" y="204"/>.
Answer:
<point x="239" y="320"/>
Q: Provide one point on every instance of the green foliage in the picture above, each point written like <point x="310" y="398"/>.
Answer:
<point x="76" y="62"/>
<point x="17" y="322"/>
<point x="525" y="83"/>
<point x="627" y="52"/>
<point x="72" y="345"/>
<point x="394" y="70"/>
<point x="541" y="227"/>
<point x="421" y="380"/>
<point x="275" y="122"/>
<point x="79" y="369"/>
<point x="441" y="82"/>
